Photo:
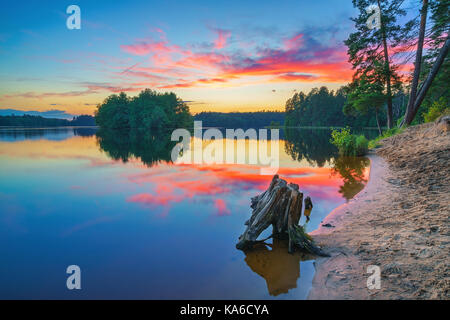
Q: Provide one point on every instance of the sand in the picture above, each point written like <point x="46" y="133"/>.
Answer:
<point x="398" y="222"/>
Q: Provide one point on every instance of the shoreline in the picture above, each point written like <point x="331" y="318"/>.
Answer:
<point x="337" y="217"/>
<point x="399" y="222"/>
<point x="343" y="265"/>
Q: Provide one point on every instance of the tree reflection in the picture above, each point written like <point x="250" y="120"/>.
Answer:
<point x="52" y="133"/>
<point x="150" y="147"/>
<point x="312" y="145"/>
<point x="279" y="268"/>
<point x="352" y="171"/>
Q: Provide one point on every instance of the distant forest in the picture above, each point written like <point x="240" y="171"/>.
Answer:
<point x="38" y="121"/>
<point x="324" y="108"/>
<point x="240" y="119"/>
<point x="320" y="107"/>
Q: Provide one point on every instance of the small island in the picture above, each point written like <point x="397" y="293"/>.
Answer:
<point x="149" y="110"/>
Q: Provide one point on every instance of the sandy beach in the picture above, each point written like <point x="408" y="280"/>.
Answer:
<point x="398" y="222"/>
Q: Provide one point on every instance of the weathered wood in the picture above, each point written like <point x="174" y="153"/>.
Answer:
<point x="280" y="206"/>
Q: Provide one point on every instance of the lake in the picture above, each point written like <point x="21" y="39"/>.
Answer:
<point x="141" y="227"/>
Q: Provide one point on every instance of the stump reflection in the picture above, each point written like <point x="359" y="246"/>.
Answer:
<point x="279" y="268"/>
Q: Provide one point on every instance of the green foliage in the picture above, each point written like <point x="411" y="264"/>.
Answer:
<point x="438" y="92"/>
<point x="323" y="108"/>
<point x="349" y="144"/>
<point x="368" y="49"/>
<point x="437" y="109"/>
<point x="301" y="239"/>
<point x="400" y="120"/>
<point x="258" y="119"/>
<point x="388" y="133"/>
<point x="439" y="22"/>
<point x="319" y="108"/>
<point x="31" y="121"/>
<point x="366" y="94"/>
<point x="373" y="144"/>
<point x="361" y="145"/>
<point x="149" y="110"/>
<point x="83" y="120"/>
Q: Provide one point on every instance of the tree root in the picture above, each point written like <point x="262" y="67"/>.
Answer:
<point x="299" y="238"/>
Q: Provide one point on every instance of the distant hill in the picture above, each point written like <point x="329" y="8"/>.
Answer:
<point x="240" y="119"/>
<point x="38" y="121"/>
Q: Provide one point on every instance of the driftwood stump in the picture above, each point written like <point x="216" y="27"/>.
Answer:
<point x="280" y="206"/>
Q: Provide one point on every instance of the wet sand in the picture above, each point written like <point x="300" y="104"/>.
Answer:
<point x="398" y="222"/>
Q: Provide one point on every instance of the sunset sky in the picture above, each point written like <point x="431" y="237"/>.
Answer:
<point x="216" y="55"/>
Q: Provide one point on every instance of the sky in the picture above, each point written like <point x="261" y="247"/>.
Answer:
<point x="215" y="55"/>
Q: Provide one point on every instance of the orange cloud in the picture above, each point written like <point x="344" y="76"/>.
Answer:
<point x="301" y="59"/>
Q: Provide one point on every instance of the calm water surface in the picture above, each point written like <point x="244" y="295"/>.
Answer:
<point x="141" y="227"/>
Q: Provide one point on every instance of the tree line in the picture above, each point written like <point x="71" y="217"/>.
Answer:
<point x="38" y="121"/>
<point x="322" y="107"/>
<point x="240" y="119"/>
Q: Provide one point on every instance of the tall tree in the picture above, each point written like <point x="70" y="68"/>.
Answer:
<point x="368" y="46"/>
<point x="437" y="57"/>
<point x="387" y="73"/>
<point x="417" y="65"/>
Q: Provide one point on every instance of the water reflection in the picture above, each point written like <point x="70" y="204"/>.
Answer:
<point x="314" y="146"/>
<point x="77" y="194"/>
<point x="353" y="171"/>
<point x="279" y="268"/>
<point x="150" y="147"/>
<point x="310" y="144"/>
<point x="53" y="134"/>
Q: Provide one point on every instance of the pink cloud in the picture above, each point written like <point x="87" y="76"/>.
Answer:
<point x="301" y="58"/>
<point x="150" y="199"/>
<point x="221" y="207"/>
<point x="294" y="43"/>
<point x="222" y="37"/>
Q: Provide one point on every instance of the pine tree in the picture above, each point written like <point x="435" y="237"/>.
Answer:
<point x="368" y="46"/>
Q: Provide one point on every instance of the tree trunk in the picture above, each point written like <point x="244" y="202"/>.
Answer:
<point x="429" y="80"/>
<point x="280" y="206"/>
<point x="378" y="122"/>
<point x="387" y="71"/>
<point x="418" y="65"/>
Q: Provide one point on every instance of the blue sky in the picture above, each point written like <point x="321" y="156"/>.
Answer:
<point x="222" y="55"/>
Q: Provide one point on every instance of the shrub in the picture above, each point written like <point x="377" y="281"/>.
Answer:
<point x="388" y="133"/>
<point x="400" y="120"/>
<point x="349" y="144"/>
<point x="437" y="109"/>
<point x="361" y="145"/>
<point x="373" y="144"/>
